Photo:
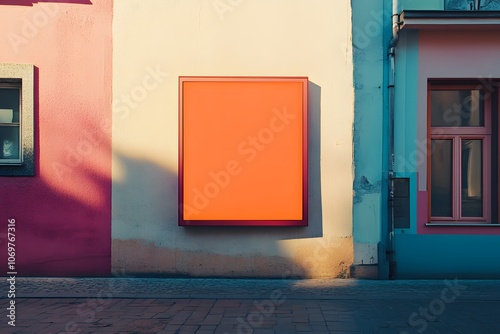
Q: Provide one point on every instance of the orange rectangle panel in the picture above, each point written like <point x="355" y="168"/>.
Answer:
<point x="243" y="151"/>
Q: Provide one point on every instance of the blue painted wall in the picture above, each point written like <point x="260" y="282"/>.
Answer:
<point x="428" y="255"/>
<point x="371" y="33"/>
<point x="417" y="256"/>
<point x="447" y="256"/>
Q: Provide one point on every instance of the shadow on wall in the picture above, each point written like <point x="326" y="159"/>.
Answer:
<point x="314" y="147"/>
<point x="315" y="227"/>
<point x="31" y="2"/>
<point x="63" y="217"/>
<point x="57" y="234"/>
<point x="60" y="233"/>
<point x="147" y="240"/>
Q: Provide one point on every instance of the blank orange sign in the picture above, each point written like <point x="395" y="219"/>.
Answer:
<point x="243" y="151"/>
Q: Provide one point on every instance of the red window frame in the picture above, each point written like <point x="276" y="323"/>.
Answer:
<point x="457" y="134"/>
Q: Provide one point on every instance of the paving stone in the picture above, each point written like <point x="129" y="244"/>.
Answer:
<point x="225" y="305"/>
<point x="264" y="331"/>
<point x="207" y="328"/>
<point x="303" y="327"/>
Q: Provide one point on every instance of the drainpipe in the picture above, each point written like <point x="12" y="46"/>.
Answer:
<point x="392" y="71"/>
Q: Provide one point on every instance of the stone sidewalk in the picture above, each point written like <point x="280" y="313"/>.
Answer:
<point x="146" y="305"/>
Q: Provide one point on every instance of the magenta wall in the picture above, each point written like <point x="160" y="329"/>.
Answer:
<point x="63" y="213"/>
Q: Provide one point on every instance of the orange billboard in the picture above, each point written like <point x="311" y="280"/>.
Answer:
<point x="243" y="151"/>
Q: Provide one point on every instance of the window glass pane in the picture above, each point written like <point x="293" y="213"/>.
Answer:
<point x="452" y="108"/>
<point x="9" y="142"/>
<point x="441" y="178"/>
<point x="472" y="178"/>
<point x="471" y="5"/>
<point x="9" y="100"/>
<point x="9" y="122"/>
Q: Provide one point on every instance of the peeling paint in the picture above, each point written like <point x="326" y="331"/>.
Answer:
<point x="363" y="186"/>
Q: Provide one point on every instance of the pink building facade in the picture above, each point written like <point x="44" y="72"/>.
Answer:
<point x="63" y="210"/>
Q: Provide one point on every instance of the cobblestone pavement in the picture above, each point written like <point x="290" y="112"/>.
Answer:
<point x="146" y="305"/>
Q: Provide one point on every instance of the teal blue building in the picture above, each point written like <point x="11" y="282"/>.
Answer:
<point x="426" y="139"/>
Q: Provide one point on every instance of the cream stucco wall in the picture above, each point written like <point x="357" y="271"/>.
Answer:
<point x="154" y="43"/>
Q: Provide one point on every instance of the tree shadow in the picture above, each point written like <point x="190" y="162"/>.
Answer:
<point x="59" y="233"/>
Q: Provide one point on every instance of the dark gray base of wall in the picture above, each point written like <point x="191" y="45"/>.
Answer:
<point x="364" y="271"/>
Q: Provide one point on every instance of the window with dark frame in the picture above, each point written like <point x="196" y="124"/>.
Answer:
<point x="463" y="152"/>
<point x="17" y="157"/>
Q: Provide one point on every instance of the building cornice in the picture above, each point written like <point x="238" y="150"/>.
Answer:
<point x="449" y="20"/>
